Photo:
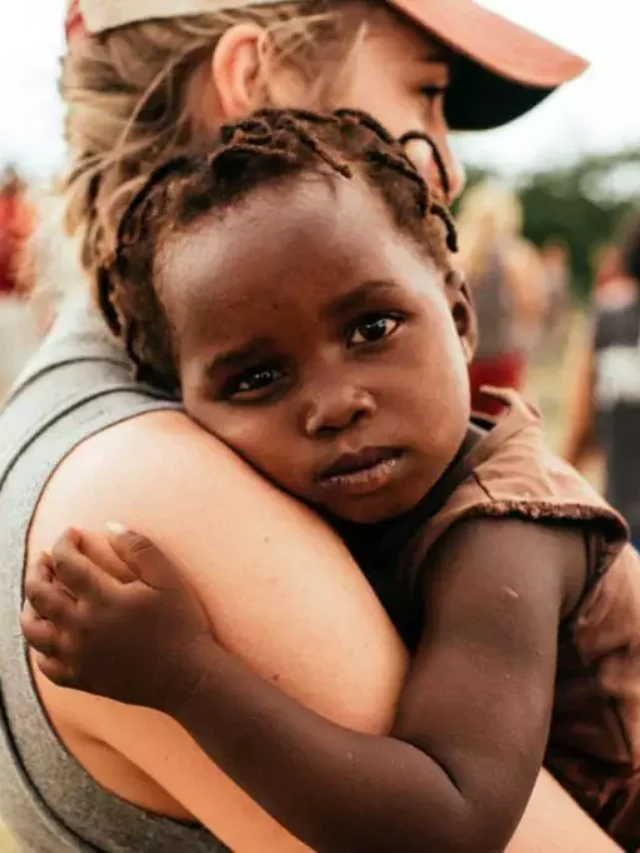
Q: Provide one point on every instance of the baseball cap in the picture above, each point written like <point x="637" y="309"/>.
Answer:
<point x="502" y="70"/>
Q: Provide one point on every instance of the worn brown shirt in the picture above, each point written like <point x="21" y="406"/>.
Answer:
<point x="594" y="742"/>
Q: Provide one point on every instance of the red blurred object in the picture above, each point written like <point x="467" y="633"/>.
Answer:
<point x="17" y="219"/>
<point x="607" y="266"/>
<point x="501" y="371"/>
<point x="74" y="26"/>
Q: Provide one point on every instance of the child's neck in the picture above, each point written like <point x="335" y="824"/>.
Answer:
<point x="429" y="504"/>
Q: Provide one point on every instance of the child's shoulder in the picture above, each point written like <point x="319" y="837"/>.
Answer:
<point x="517" y="472"/>
<point x="511" y="473"/>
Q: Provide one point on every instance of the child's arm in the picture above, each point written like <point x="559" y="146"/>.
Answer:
<point x="473" y="718"/>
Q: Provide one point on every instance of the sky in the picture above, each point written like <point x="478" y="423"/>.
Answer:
<point x="600" y="112"/>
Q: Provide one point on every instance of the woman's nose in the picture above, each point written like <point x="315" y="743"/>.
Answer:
<point x="426" y="163"/>
<point x="335" y="410"/>
<point x="456" y="173"/>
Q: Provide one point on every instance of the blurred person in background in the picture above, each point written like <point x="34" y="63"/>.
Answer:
<point x="19" y="334"/>
<point x="16" y="226"/>
<point x="507" y="283"/>
<point x="48" y="268"/>
<point x="606" y="265"/>
<point x="556" y="263"/>
<point x="604" y="408"/>
<point x="144" y="80"/>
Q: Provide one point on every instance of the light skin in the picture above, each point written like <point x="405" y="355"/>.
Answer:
<point x="320" y="634"/>
<point x="397" y="75"/>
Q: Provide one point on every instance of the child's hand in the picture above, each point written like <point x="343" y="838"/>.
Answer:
<point x="112" y="617"/>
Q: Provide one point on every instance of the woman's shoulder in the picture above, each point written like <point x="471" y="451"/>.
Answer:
<point x="161" y="474"/>
<point x="156" y="436"/>
<point x="156" y="471"/>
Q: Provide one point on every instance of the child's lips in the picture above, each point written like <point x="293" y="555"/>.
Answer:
<point x="360" y="473"/>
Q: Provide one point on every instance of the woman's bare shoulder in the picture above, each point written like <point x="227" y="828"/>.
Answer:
<point x="164" y="443"/>
<point x="157" y="471"/>
<point x="263" y="565"/>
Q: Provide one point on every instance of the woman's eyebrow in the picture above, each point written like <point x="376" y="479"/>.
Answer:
<point x="436" y="52"/>
<point x="437" y="67"/>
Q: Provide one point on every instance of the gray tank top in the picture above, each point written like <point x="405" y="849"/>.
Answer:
<point x="77" y="384"/>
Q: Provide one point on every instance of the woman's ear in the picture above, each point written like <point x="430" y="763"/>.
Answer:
<point x="238" y="69"/>
<point x="463" y="313"/>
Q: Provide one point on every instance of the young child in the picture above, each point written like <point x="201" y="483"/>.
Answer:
<point x="294" y="286"/>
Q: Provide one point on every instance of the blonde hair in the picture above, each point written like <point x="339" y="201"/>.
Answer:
<point x="490" y="214"/>
<point x="126" y="92"/>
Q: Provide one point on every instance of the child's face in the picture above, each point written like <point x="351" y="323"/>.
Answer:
<point x="316" y="341"/>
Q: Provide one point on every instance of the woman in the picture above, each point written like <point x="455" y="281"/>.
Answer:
<point x="506" y="279"/>
<point x="280" y="589"/>
<point x="605" y="406"/>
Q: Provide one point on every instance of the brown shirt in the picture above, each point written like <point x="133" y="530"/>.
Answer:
<point x="594" y="743"/>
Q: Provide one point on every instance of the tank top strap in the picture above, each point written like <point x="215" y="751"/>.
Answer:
<point x="78" y="384"/>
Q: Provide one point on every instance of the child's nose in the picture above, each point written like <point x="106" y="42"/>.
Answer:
<point x="337" y="409"/>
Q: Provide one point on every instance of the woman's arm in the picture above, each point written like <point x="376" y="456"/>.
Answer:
<point x="135" y="465"/>
<point x="488" y="644"/>
<point x="281" y="590"/>
<point x="554" y="823"/>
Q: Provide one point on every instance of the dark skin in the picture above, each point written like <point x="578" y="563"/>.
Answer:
<point x="458" y="767"/>
<point x="304" y="323"/>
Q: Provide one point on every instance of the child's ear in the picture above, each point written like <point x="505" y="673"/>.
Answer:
<point x="463" y="313"/>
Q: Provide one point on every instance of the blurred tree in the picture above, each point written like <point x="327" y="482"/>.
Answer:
<point x="580" y="205"/>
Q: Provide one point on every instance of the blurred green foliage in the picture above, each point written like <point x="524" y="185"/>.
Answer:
<point x="581" y="205"/>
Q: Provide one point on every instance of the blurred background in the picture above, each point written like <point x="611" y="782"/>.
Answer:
<point x="547" y="195"/>
<point x="574" y="162"/>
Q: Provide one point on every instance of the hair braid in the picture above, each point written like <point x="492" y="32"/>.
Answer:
<point x="269" y="144"/>
<point x="417" y="135"/>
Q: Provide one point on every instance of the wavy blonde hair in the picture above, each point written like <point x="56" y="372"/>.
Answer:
<point x="126" y="92"/>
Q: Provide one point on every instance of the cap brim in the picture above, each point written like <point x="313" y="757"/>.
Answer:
<point x="502" y="70"/>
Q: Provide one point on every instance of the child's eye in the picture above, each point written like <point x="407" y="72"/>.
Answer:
<point x="373" y="328"/>
<point x="254" y="383"/>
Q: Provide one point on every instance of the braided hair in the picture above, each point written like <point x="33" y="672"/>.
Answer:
<point x="270" y="144"/>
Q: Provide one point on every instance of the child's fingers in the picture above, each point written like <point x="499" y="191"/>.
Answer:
<point x="55" y="670"/>
<point x="77" y="572"/>
<point x="48" y="599"/>
<point x="143" y="557"/>
<point x="39" y="633"/>
<point x="100" y="551"/>
<point x="40" y="573"/>
<point x="40" y="570"/>
<point x="42" y="567"/>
